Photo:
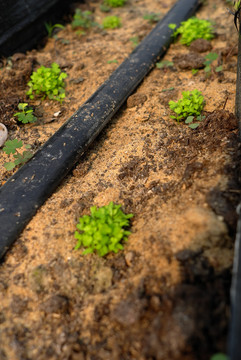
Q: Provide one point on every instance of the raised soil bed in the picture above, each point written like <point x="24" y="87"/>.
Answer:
<point x="167" y="294"/>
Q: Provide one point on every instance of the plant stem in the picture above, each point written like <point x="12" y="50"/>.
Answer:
<point x="238" y="81"/>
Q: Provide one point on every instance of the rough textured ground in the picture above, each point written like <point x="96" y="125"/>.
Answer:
<point x="166" y="296"/>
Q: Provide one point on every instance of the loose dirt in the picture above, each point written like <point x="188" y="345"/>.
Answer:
<point x="166" y="295"/>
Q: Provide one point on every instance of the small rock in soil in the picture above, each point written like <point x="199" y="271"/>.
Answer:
<point x="136" y="99"/>
<point x="18" y="304"/>
<point x="3" y="134"/>
<point x="56" y="304"/>
<point x="103" y="279"/>
<point x="200" y="46"/>
<point x="189" y="61"/>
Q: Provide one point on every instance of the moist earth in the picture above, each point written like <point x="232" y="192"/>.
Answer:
<point x="166" y="295"/>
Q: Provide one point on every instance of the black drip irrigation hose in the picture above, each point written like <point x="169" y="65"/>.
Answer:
<point x="235" y="322"/>
<point x="33" y="183"/>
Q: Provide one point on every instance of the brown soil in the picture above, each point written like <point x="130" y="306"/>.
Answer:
<point x="166" y="296"/>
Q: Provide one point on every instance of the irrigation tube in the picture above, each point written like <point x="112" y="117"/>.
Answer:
<point x="235" y="323"/>
<point x="33" y="183"/>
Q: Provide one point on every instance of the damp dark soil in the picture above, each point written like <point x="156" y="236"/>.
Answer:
<point x="166" y="295"/>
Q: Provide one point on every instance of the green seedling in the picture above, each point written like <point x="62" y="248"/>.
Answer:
<point x="111" y="22"/>
<point x="193" y="29"/>
<point x="152" y="17"/>
<point x="104" y="8"/>
<point x="191" y="104"/>
<point x="190" y="121"/>
<point x="114" y="3"/>
<point x="47" y="82"/>
<point x="83" y="19"/>
<point x="164" y="64"/>
<point x="103" y="231"/>
<point x="114" y="61"/>
<point x="219" y="356"/>
<point x="50" y="28"/>
<point x="135" y="41"/>
<point x="10" y="148"/>
<point x="194" y="71"/>
<point x="168" y="89"/>
<point x="210" y="58"/>
<point x="26" y="115"/>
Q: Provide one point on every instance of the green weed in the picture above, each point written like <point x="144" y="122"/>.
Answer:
<point x="47" y="82"/>
<point x="219" y="356"/>
<point x="152" y="17"/>
<point x="103" y="231"/>
<point x="50" y="28"/>
<point x="11" y="147"/>
<point x="135" y="41"/>
<point x="190" y="121"/>
<point x="26" y="115"/>
<point x="83" y="19"/>
<point x="164" y="64"/>
<point x="210" y="58"/>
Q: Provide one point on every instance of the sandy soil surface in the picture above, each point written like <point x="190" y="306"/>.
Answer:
<point x="166" y="295"/>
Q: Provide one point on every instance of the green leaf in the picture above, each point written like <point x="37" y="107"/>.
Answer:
<point x="194" y="125"/>
<point x="164" y="64"/>
<point x="11" y="146"/>
<point x="102" y="231"/>
<point x="9" y="165"/>
<point x="219" y="356"/>
<point x="219" y="68"/>
<point x="172" y="26"/>
<point x="189" y="119"/>
<point x="211" y="56"/>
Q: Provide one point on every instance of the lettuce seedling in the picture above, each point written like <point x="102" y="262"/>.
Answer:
<point x="48" y="82"/>
<point x="26" y="115"/>
<point x="193" y="29"/>
<point x="115" y="3"/>
<point x="103" y="231"/>
<point x="111" y="22"/>
<point x="11" y="147"/>
<point x="83" y="19"/>
<point x="191" y="103"/>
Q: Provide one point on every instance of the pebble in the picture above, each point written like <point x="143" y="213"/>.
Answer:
<point x="3" y="134"/>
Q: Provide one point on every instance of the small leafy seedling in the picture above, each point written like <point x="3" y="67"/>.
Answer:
<point x="210" y="58"/>
<point x="26" y="115"/>
<point x="103" y="231"/>
<point x="104" y="8"/>
<point x="111" y="22"/>
<point x="195" y="71"/>
<point x="164" y="64"/>
<point x="83" y="19"/>
<point x="50" y="28"/>
<point x="135" y="41"/>
<point x="47" y="82"/>
<point x="114" y="3"/>
<point x="11" y="147"/>
<point x="219" y="356"/>
<point x="114" y="61"/>
<point x="193" y="29"/>
<point x="191" y="103"/>
<point x="190" y="121"/>
<point x="152" y="17"/>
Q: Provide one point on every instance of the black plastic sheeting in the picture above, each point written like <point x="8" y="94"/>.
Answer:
<point x="22" y="22"/>
<point x="33" y="183"/>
